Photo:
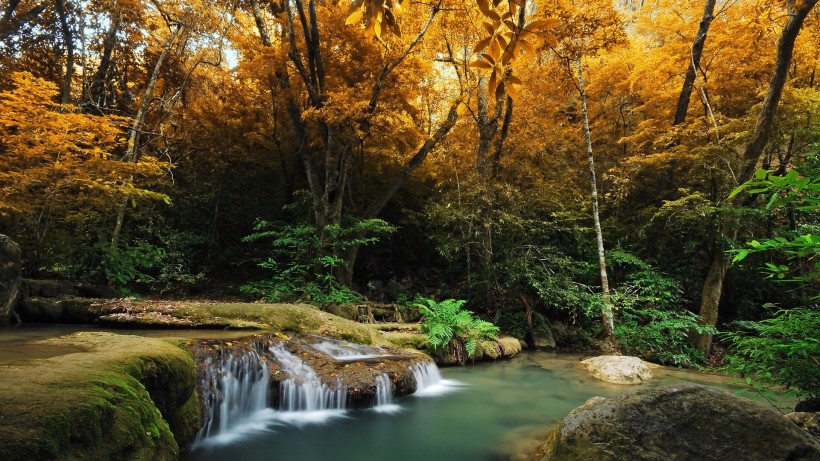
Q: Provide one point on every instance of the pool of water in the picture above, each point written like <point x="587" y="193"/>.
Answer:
<point x="497" y="411"/>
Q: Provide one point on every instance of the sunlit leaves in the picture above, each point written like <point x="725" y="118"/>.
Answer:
<point x="506" y="40"/>
<point x="378" y="16"/>
<point x="60" y="159"/>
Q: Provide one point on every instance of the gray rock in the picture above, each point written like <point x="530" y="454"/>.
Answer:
<point x="677" y="423"/>
<point x="540" y="336"/>
<point x="63" y="309"/>
<point x="618" y="369"/>
<point x="10" y="277"/>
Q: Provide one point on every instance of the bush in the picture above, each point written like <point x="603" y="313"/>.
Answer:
<point x="660" y="336"/>
<point x="446" y="320"/>
<point x="783" y="350"/>
<point x="648" y="322"/>
<point x="304" y="266"/>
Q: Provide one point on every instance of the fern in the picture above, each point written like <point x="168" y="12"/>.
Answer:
<point x="445" y="320"/>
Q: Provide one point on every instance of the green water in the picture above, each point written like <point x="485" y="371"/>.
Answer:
<point x="502" y="411"/>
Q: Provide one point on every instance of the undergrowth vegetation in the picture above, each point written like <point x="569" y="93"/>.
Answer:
<point x="445" y="320"/>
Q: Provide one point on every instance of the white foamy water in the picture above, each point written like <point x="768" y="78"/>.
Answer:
<point x="239" y="392"/>
<point x="304" y="391"/>
<point x="256" y="424"/>
<point x="429" y="382"/>
<point x="344" y="351"/>
<point x="384" y="396"/>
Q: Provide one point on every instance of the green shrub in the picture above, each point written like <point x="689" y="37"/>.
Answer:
<point x="783" y="350"/>
<point x="446" y="320"/>
<point x="648" y="322"/>
<point x="304" y="265"/>
<point x="658" y="335"/>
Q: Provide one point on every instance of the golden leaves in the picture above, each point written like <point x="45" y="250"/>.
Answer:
<point x="378" y="16"/>
<point x="55" y="153"/>
<point x="506" y="40"/>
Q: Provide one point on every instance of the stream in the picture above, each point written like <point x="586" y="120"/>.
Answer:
<point x="486" y="411"/>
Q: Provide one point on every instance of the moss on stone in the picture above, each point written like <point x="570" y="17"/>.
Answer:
<point x="298" y="318"/>
<point x="407" y="340"/>
<point x="98" y="404"/>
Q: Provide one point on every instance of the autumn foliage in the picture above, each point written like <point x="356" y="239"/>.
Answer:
<point x="459" y="122"/>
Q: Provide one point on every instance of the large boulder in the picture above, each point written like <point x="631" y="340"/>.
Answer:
<point x="679" y="422"/>
<point x="10" y="277"/>
<point x="618" y="369"/>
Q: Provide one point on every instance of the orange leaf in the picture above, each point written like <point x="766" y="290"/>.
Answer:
<point x="482" y="44"/>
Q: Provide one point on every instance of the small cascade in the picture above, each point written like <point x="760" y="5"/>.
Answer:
<point x="429" y="382"/>
<point x="304" y="395"/>
<point x="235" y="389"/>
<point x="384" y="395"/>
<point x="344" y="351"/>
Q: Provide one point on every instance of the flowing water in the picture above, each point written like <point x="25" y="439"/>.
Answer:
<point x="494" y="411"/>
<point x="491" y="411"/>
<point x="242" y="384"/>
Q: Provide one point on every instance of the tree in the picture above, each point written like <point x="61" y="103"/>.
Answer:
<point x="713" y="285"/>
<point x="590" y="28"/>
<point x="694" y="61"/>
<point x="59" y="165"/>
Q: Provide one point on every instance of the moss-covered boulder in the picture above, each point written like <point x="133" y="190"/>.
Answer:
<point x="680" y="422"/>
<point x="124" y="397"/>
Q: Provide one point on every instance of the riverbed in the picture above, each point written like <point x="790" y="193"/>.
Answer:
<point x="487" y="411"/>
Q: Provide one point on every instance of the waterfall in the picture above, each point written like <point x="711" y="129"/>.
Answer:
<point x="429" y="382"/>
<point x="304" y="391"/>
<point x="344" y="351"/>
<point x="235" y="388"/>
<point x="384" y="395"/>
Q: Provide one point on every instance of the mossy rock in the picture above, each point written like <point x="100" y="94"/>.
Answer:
<point x="297" y="318"/>
<point x="406" y="340"/>
<point x="113" y="401"/>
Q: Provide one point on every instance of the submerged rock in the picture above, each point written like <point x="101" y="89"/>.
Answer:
<point x="681" y="422"/>
<point x="618" y="369"/>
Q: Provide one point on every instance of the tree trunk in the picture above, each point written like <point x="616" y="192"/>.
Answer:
<point x="10" y="277"/>
<point x="607" y="322"/>
<point x="327" y="167"/>
<point x="694" y="62"/>
<point x="131" y="152"/>
<point x="65" y="98"/>
<point x="713" y="285"/>
<point x="96" y="98"/>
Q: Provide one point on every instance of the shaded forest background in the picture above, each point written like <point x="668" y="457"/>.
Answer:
<point x="332" y="152"/>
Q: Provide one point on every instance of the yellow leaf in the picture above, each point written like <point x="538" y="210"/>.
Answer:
<point x="481" y="64"/>
<point x="495" y="50"/>
<point x="356" y="5"/>
<point x="512" y="89"/>
<point x="541" y="25"/>
<point x="354" y="17"/>
<point x="482" y="44"/>
<point x="492" y="85"/>
<point x="488" y="26"/>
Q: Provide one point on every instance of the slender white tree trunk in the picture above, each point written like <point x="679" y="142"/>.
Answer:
<point x="606" y="310"/>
